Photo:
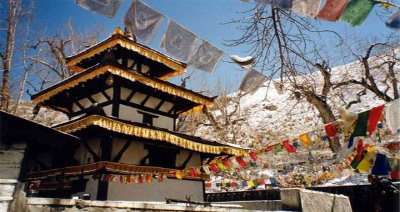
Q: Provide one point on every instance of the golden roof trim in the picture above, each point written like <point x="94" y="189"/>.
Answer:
<point x="178" y="67"/>
<point x="160" y="85"/>
<point x="153" y="134"/>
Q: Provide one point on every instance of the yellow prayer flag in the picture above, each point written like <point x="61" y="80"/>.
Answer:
<point x="305" y="139"/>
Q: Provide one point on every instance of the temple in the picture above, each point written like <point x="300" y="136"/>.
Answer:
<point x="124" y="114"/>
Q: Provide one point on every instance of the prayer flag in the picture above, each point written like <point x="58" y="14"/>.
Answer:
<point x="290" y="148"/>
<point x="221" y="166"/>
<point x="365" y="164"/>
<point x="284" y="4"/>
<point x="253" y="156"/>
<point x="192" y="172"/>
<point x="373" y="119"/>
<point x="241" y="162"/>
<point x="227" y="163"/>
<point x="140" y="179"/>
<point x="206" y="169"/>
<point x="305" y="139"/>
<point x="105" y="7"/>
<point x="142" y="20"/>
<point x="269" y="148"/>
<point x="394" y="20"/>
<point x="332" y="10"/>
<point x="357" y="11"/>
<point x="307" y="8"/>
<point x="214" y="167"/>
<point x="362" y="124"/>
<point x="380" y="165"/>
<point x="331" y="130"/>
<point x="252" y="81"/>
<point x="149" y="178"/>
<point x="206" y="57"/>
<point x="178" y="41"/>
<point x="392" y="115"/>
<point x="250" y="183"/>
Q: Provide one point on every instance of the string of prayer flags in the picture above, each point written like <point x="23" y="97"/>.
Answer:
<point x="142" y="20"/>
<point x="374" y="115"/>
<point x="357" y="11"/>
<point x="305" y="139"/>
<point x="394" y="20"/>
<point x="178" y="41"/>
<point x="332" y="10"/>
<point x="392" y="115"/>
<point x="362" y="124"/>
<point x="290" y="148"/>
<point x="206" y="57"/>
<point x="307" y="8"/>
<point x="252" y="80"/>
<point x="104" y="7"/>
<point x="284" y="4"/>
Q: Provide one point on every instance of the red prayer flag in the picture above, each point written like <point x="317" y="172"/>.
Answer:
<point x="374" y="116"/>
<point x="241" y="162"/>
<point x="261" y="182"/>
<point x="288" y="146"/>
<point x="140" y="179"/>
<point x="332" y="10"/>
<point x="253" y="156"/>
<point x="269" y="148"/>
<point x="192" y="172"/>
<point x="214" y="167"/>
<point x="331" y="130"/>
<point x="360" y="149"/>
<point x="227" y="163"/>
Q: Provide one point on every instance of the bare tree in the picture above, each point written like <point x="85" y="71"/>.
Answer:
<point x="372" y="67"/>
<point x="12" y="15"/>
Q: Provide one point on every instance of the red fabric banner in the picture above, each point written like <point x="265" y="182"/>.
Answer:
<point x="332" y="10"/>
<point x="241" y="162"/>
<point x="253" y="156"/>
<point x="331" y="130"/>
<point x="374" y="116"/>
<point x="289" y="147"/>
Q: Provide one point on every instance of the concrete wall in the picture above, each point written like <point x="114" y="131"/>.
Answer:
<point x="156" y="191"/>
<point x="307" y="200"/>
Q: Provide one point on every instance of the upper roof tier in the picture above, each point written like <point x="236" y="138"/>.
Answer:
<point x="126" y="52"/>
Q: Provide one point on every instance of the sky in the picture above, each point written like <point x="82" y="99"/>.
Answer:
<point x="204" y="18"/>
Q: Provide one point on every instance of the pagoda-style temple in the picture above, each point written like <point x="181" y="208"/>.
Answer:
<point x="124" y="113"/>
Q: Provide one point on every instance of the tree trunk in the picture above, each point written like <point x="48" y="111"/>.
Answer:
<point x="327" y="117"/>
<point x="14" y="7"/>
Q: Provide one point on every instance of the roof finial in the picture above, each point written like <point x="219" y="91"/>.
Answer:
<point x="118" y="31"/>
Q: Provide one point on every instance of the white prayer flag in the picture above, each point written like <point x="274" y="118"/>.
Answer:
<point x="307" y="8"/>
<point x="105" y="7"/>
<point x="142" y="20"/>
<point x="206" y="57"/>
<point x="178" y="41"/>
<point x="251" y="81"/>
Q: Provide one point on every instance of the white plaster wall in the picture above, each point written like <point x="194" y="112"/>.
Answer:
<point x="132" y="155"/>
<point x="83" y="156"/>
<point x="131" y="114"/>
<point x="91" y="188"/>
<point x="156" y="191"/>
<point x="193" y="162"/>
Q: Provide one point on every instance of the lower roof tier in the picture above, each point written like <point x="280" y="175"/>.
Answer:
<point x="158" y="135"/>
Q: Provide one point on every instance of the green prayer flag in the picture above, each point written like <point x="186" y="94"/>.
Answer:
<point x="362" y="124"/>
<point x="357" y="11"/>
